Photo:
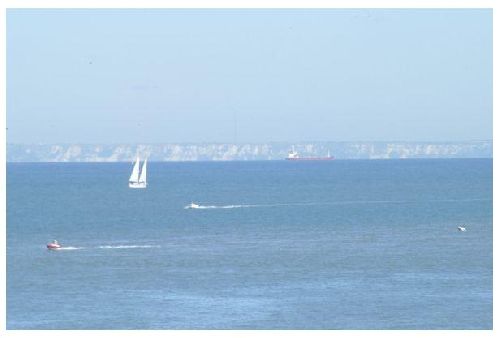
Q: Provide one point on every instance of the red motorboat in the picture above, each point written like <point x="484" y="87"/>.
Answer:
<point x="54" y="245"/>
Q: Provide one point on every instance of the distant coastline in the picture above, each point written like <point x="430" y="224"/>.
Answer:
<point x="166" y="152"/>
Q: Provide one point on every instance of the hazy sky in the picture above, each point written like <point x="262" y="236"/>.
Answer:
<point x="126" y="76"/>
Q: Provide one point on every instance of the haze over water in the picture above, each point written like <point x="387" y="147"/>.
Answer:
<point x="278" y="245"/>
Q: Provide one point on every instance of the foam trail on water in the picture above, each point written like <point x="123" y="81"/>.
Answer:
<point x="232" y="206"/>
<point x="127" y="246"/>
<point x="108" y="247"/>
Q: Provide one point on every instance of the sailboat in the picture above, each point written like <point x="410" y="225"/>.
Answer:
<point x="136" y="180"/>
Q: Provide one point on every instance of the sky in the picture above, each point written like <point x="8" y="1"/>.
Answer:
<point x="248" y="75"/>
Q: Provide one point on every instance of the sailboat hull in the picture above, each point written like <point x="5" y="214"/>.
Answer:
<point x="140" y="185"/>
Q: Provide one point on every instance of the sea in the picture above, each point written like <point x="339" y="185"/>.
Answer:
<point x="343" y="244"/>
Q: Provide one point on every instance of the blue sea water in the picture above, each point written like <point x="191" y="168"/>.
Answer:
<point x="280" y="245"/>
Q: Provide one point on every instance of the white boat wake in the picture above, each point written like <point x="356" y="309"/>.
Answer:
<point x="107" y="247"/>
<point x="222" y="206"/>
<point x="233" y="206"/>
<point x="127" y="246"/>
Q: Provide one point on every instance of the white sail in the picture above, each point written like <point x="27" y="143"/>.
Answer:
<point x="142" y="179"/>
<point x="134" y="177"/>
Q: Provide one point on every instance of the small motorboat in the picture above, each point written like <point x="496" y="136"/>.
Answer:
<point x="461" y="228"/>
<point x="192" y="206"/>
<point x="54" y="245"/>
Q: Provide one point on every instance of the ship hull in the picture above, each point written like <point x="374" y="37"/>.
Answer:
<point x="140" y="185"/>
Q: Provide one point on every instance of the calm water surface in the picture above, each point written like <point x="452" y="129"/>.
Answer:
<point x="281" y="245"/>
